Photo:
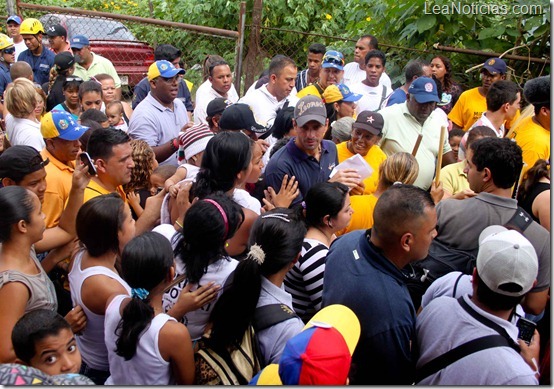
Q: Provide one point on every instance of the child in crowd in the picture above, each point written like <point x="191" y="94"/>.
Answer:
<point x="192" y="144"/>
<point x="43" y="339"/>
<point x="114" y="112"/>
<point x="95" y="115"/>
<point x="454" y="138"/>
<point x="160" y="175"/>
<point x="140" y="338"/>
<point x="140" y="187"/>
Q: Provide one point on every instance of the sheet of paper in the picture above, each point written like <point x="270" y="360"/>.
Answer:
<point x="355" y="162"/>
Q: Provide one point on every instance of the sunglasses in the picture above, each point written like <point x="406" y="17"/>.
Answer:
<point x="334" y="60"/>
<point x="9" y="50"/>
<point x="73" y="79"/>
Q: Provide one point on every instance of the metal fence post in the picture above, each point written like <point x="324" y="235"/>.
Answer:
<point x="240" y="46"/>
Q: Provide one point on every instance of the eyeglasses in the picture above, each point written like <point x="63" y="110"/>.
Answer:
<point x="9" y="50"/>
<point x="336" y="60"/>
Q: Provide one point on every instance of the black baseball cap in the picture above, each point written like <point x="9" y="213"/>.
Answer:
<point x="64" y="60"/>
<point x="56" y="30"/>
<point x="240" y="117"/>
<point x="370" y="121"/>
<point x="217" y="105"/>
<point x="18" y="161"/>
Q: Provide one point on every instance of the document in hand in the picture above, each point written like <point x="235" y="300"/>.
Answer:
<point x="355" y="162"/>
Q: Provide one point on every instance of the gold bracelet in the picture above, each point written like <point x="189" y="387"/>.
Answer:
<point x="179" y="224"/>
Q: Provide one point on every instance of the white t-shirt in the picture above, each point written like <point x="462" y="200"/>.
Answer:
<point x="24" y="132"/>
<point x="372" y="96"/>
<point x="265" y="105"/>
<point x="353" y="74"/>
<point x="245" y="200"/>
<point x="204" y="95"/>
<point x="19" y="47"/>
<point x="196" y="320"/>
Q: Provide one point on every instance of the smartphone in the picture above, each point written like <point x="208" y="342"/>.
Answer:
<point x="85" y="158"/>
<point x="526" y="329"/>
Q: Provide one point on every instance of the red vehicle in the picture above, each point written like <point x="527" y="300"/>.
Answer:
<point x="110" y="39"/>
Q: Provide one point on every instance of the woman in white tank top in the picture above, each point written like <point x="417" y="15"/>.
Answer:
<point x="145" y="345"/>
<point x="104" y="226"/>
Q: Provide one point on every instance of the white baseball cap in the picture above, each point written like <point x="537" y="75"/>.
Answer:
<point x="507" y="262"/>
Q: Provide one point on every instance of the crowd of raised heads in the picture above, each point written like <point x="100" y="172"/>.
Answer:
<point x="323" y="227"/>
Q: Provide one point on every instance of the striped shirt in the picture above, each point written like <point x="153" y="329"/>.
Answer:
<point x="305" y="280"/>
<point x="302" y="80"/>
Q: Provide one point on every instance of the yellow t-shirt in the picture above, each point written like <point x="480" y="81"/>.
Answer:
<point x="470" y="107"/>
<point x="58" y="186"/>
<point x="374" y="157"/>
<point x="362" y="218"/>
<point x="309" y="90"/>
<point x="453" y="178"/>
<point x="534" y="141"/>
<point x="94" y="190"/>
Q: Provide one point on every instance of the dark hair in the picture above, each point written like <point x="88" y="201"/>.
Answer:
<point x="166" y="52"/>
<point x="478" y="132"/>
<point x="145" y="263"/>
<point x="317" y="48"/>
<point x="103" y="76"/>
<point x="89" y="86"/>
<point x="208" y="61"/>
<point x="279" y="233"/>
<point x="227" y="154"/>
<point x="94" y="115"/>
<point x="324" y="198"/>
<point x="102" y="141"/>
<point x="278" y="145"/>
<point x="202" y="239"/>
<point x="283" y="122"/>
<point x="16" y="203"/>
<point x="396" y="207"/>
<point x="214" y="64"/>
<point x="493" y="300"/>
<point x="98" y="222"/>
<point x="32" y="327"/>
<point x="447" y="80"/>
<point x="501" y="156"/>
<point x="456" y="132"/>
<point x="414" y="69"/>
<point x="373" y="42"/>
<point x="375" y="54"/>
<point x="500" y="93"/>
<point x="71" y="83"/>
<point x="92" y="125"/>
<point x="539" y="170"/>
<point x="278" y="63"/>
<point x="165" y="171"/>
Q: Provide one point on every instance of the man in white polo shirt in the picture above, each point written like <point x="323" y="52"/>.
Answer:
<point x="354" y="72"/>
<point x="417" y="116"/>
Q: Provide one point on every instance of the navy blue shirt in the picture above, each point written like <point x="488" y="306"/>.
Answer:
<point x="5" y="78"/>
<point x="397" y="97"/>
<point x="143" y="87"/>
<point x="359" y="276"/>
<point x="40" y="64"/>
<point x="308" y="171"/>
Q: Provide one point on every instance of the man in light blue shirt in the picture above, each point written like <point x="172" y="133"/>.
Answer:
<point x="160" y="117"/>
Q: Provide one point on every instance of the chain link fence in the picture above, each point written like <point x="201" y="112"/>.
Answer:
<point x="129" y="41"/>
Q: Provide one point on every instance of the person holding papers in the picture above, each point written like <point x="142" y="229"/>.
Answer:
<point x="366" y="133"/>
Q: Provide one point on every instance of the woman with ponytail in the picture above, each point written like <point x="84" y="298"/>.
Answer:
<point x="140" y="338"/>
<point x="274" y="246"/>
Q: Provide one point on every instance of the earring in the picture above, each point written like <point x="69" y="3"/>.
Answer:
<point x="226" y="244"/>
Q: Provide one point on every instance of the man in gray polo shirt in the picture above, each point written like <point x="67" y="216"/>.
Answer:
<point x="160" y="117"/>
<point x="493" y="166"/>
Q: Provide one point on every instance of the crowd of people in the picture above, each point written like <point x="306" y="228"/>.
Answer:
<point x="134" y="236"/>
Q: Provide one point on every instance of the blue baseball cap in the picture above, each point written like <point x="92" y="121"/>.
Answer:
<point x="61" y="124"/>
<point x="164" y="69"/>
<point x="424" y="90"/>
<point x="333" y="59"/>
<point x="78" y="42"/>
<point x="495" y="66"/>
<point x="15" y="18"/>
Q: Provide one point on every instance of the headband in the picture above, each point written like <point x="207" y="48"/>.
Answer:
<point x="222" y="215"/>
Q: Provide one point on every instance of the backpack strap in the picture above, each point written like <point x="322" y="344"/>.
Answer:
<point x="456" y="285"/>
<point x="269" y="315"/>
<point x="319" y="88"/>
<point x="383" y="97"/>
<point x="468" y="348"/>
<point x="457" y="353"/>
<point x="519" y="221"/>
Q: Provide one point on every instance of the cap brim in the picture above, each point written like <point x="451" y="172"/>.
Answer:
<point x="78" y="46"/>
<point x="332" y="65"/>
<point x="491" y="70"/>
<point x="300" y="122"/>
<point x="367" y="127"/>
<point x="426" y="98"/>
<point x="172" y="72"/>
<point x="341" y="318"/>
<point x="74" y="134"/>
<point x="258" y="128"/>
